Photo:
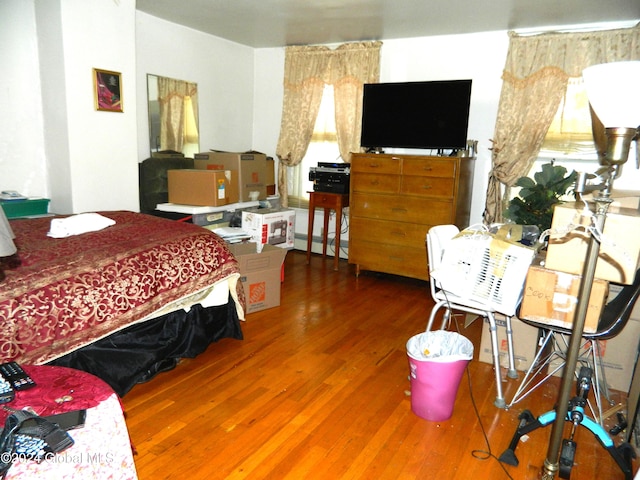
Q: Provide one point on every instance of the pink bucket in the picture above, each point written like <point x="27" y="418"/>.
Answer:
<point x="434" y="386"/>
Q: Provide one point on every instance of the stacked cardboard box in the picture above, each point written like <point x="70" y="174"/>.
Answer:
<point x="203" y="187"/>
<point x="251" y="167"/>
<point x="551" y="297"/>
<point x="273" y="226"/>
<point x="261" y="274"/>
<point x="619" y="249"/>
<point x="618" y="354"/>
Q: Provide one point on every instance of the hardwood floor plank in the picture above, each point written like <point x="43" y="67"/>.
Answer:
<point x="319" y="389"/>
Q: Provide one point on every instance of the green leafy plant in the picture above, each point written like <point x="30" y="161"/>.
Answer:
<point x="534" y="204"/>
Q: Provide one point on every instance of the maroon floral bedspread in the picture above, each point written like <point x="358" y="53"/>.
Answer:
<point x="71" y="291"/>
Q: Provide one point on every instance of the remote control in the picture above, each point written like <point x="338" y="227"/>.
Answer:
<point x="16" y="376"/>
<point x="31" y="448"/>
<point x="6" y="391"/>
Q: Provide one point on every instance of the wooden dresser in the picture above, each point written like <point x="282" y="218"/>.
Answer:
<point x="395" y="199"/>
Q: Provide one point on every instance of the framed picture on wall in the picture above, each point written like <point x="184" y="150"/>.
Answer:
<point x="107" y="89"/>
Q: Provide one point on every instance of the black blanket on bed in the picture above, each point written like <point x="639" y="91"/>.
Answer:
<point x="137" y="353"/>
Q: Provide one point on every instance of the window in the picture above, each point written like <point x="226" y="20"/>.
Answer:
<point x="570" y="134"/>
<point x="322" y="148"/>
<point x="569" y="141"/>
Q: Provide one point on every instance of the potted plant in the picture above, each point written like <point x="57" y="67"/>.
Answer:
<point x="537" y="197"/>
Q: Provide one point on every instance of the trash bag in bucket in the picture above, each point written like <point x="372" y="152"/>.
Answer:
<point x="437" y="360"/>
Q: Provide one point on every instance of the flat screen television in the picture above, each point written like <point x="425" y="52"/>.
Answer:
<point x="424" y="115"/>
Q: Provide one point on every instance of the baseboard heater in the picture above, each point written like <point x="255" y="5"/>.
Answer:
<point x="316" y="244"/>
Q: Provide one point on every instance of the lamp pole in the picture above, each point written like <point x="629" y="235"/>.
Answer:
<point x="613" y="94"/>
<point x="551" y="463"/>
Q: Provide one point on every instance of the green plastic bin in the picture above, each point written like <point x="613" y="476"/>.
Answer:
<point x="25" y="208"/>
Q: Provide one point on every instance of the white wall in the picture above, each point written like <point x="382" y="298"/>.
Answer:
<point x="223" y="70"/>
<point x="268" y="95"/>
<point x="54" y="143"/>
<point x="22" y="155"/>
<point x="102" y="145"/>
<point x="51" y="54"/>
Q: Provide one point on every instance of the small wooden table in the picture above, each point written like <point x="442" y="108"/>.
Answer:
<point x="328" y="201"/>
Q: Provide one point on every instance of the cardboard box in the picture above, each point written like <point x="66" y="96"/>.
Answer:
<point x="251" y="168"/>
<point x="619" y="250"/>
<point x="525" y="341"/>
<point x="551" y="297"/>
<point x="271" y="176"/>
<point x="202" y="187"/>
<point x="260" y="274"/>
<point x="618" y="356"/>
<point x="621" y="198"/>
<point x="273" y="226"/>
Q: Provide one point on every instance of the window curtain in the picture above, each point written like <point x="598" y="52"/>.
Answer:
<point x="307" y="69"/>
<point x="353" y="65"/>
<point x="178" y="112"/>
<point x="535" y="78"/>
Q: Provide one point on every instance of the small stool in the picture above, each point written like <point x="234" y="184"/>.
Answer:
<point x="328" y="201"/>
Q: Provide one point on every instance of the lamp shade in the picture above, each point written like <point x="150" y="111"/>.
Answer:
<point x="7" y="247"/>
<point x="613" y="90"/>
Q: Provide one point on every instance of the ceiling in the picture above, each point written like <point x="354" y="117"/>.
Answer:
<point x="277" y="23"/>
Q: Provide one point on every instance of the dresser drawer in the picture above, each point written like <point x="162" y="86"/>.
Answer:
<point x="427" y="186"/>
<point x="376" y="164"/>
<point x="389" y="232"/>
<point x="431" y="167"/>
<point x="378" y="257"/>
<point x="401" y="209"/>
<point x="375" y="183"/>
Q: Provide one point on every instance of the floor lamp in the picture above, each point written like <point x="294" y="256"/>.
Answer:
<point x="613" y="90"/>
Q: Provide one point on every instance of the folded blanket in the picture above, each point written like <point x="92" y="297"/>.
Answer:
<point x="77" y="224"/>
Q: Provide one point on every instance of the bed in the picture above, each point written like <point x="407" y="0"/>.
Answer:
<point x="124" y="302"/>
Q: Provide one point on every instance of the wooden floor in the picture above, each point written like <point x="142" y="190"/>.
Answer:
<point x="319" y="389"/>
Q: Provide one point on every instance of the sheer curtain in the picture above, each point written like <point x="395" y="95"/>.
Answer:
<point x="178" y="113"/>
<point x="535" y="78"/>
<point x="353" y="65"/>
<point x="304" y="78"/>
<point x="307" y="69"/>
<point x="323" y="147"/>
<point x="569" y="134"/>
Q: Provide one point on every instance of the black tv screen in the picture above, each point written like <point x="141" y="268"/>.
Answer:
<point x="426" y="115"/>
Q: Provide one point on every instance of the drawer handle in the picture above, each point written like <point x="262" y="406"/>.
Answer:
<point x="375" y="182"/>
<point x="397" y="259"/>
<point x="398" y="233"/>
<point x="427" y="187"/>
<point x="374" y="165"/>
<point x="428" y="169"/>
<point x="399" y="209"/>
